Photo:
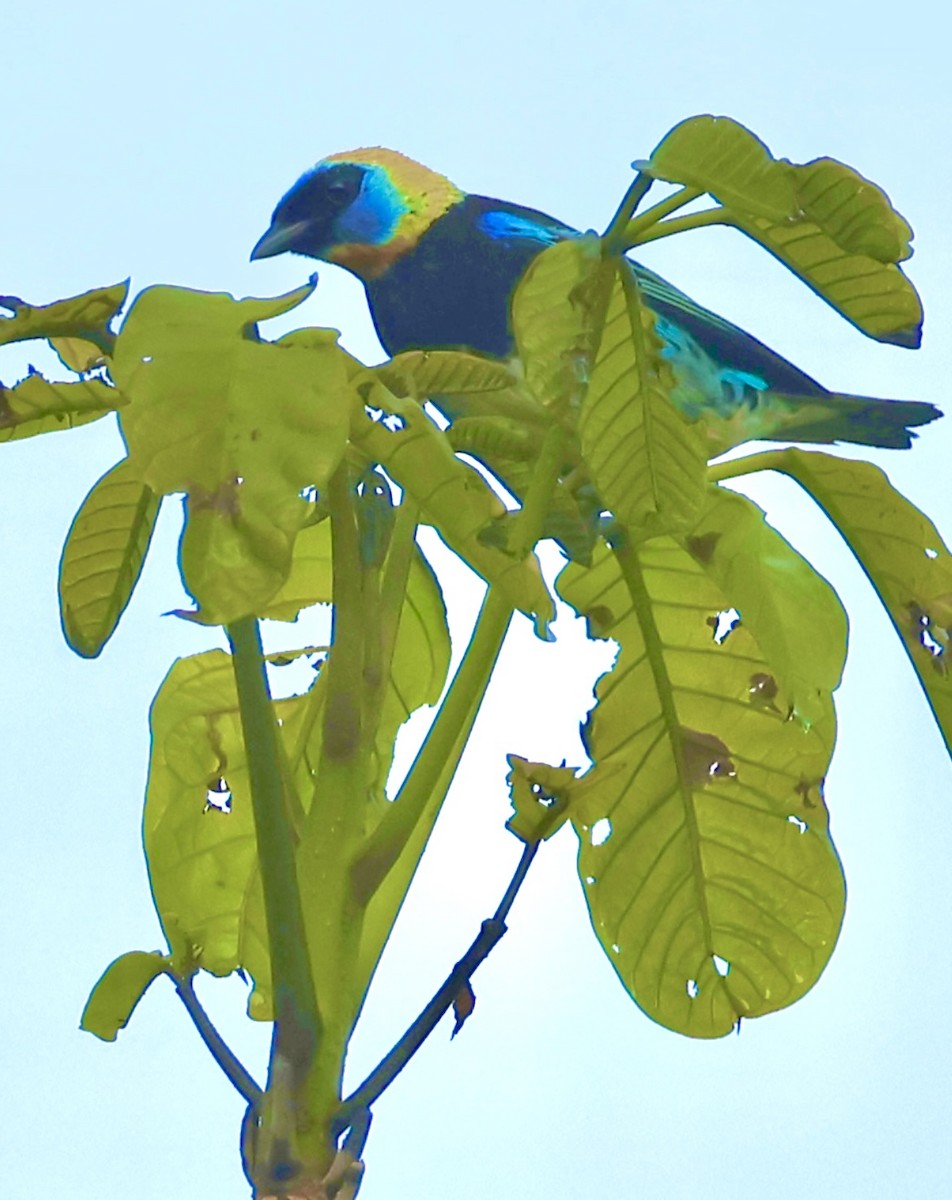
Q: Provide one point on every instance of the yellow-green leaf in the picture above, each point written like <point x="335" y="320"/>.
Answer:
<point x="453" y="496"/>
<point x="705" y="854"/>
<point x="422" y="648"/>
<point x="243" y="426"/>
<point x="36" y="406"/>
<point x="199" y="827"/>
<point x="903" y="556"/>
<point x="874" y="296"/>
<point x="86" y="316"/>
<point x="793" y="613"/>
<point x="422" y="373"/>
<point x="851" y="209"/>
<point x="461" y="384"/>
<point x="555" y="312"/>
<point x="78" y="355"/>
<point x="648" y="462"/>
<point x="120" y="988"/>
<point x="719" y="156"/>
<point x="823" y="220"/>
<point x="103" y="556"/>
<point x="540" y="797"/>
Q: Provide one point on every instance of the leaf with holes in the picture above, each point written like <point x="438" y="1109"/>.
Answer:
<point x="199" y="828"/>
<point x="242" y="426"/>
<point x="903" y="556"/>
<point x="647" y="461"/>
<point x="540" y="796"/>
<point x="793" y="613"/>
<point x="86" y="317"/>
<point x="103" y="556"/>
<point x="690" y="853"/>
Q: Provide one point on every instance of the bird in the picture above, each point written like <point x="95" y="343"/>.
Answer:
<point x="440" y="265"/>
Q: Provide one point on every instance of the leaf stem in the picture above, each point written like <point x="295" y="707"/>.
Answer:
<point x="357" y="1104"/>
<point x="234" y="1070"/>
<point x="766" y="460"/>
<point x="636" y="192"/>
<point x="631" y="234"/>
<point x="428" y="780"/>
<point x="297" y="1019"/>
<point x="710" y="216"/>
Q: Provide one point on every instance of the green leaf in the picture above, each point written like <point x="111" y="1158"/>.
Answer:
<point x="648" y="462"/>
<point x="824" y="221"/>
<point x="243" y="426"/>
<point x="903" y="556"/>
<point x="423" y="373"/>
<point x="453" y="497"/>
<point x="540" y="796"/>
<point x="85" y="317"/>
<point x="199" y="827"/>
<point x="719" y="156"/>
<point x="422" y="649"/>
<point x="851" y="209"/>
<point x="103" y="556"/>
<point x="461" y="384"/>
<point x="556" y="309"/>
<point x="36" y="406"/>
<point x="793" y="613"/>
<point x="120" y="988"/>
<point x="872" y="294"/>
<point x="77" y="354"/>
<point x="705" y="855"/>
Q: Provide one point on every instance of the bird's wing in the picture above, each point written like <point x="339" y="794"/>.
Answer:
<point x="728" y="345"/>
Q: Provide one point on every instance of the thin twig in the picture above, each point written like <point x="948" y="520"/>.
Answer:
<point x="234" y="1070"/>
<point x="356" y="1108"/>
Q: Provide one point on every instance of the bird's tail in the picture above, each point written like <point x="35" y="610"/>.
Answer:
<point x="837" y="417"/>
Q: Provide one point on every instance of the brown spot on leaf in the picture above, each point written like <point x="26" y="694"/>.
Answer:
<point x="704" y="757"/>
<point x="600" y="620"/>
<point x="762" y="690"/>
<point x="811" y="791"/>
<point x="223" y="500"/>
<point x="702" y="548"/>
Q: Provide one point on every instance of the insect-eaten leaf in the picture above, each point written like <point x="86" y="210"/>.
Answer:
<point x="85" y="317"/>
<point x="248" y="429"/>
<point x="541" y="797"/>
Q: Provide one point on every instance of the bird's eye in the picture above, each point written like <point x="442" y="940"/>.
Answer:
<point x="339" y="192"/>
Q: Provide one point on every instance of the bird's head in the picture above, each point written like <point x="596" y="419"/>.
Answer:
<point x="362" y="209"/>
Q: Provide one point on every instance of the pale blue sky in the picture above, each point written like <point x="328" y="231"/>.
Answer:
<point x="154" y="140"/>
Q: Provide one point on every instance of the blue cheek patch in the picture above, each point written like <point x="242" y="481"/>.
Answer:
<point x="372" y="218"/>
<point x="509" y="225"/>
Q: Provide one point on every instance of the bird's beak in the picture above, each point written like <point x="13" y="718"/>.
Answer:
<point x="278" y="239"/>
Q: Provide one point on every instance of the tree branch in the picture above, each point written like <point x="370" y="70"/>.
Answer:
<point x="356" y="1108"/>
